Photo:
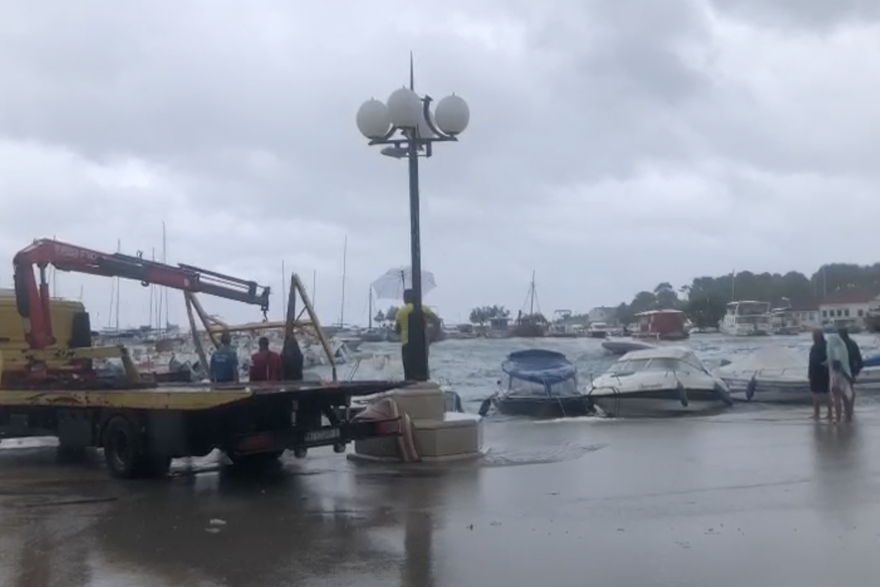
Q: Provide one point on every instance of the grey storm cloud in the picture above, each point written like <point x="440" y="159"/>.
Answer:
<point x="612" y="145"/>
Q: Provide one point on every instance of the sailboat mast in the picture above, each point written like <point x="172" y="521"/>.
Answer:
<point x="370" y="310"/>
<point x="344" y="267"/>
<point x="54" y="276"/>
<point x="283" y="292"/>
<point x="118" y="284"/>
<point x="532" y="296"/>
<point x="163" y="296"/>
<point x="314" y="286"/>
<point x="733" y="285"/>
<point x="152" y="291"/>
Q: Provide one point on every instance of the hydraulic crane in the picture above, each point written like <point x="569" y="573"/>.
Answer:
<point x="33" y="297"/>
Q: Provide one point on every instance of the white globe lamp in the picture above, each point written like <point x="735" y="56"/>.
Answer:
<point x="452" y="115"/>
<point x="373" y="119"/>
<point x="405" y="108"/>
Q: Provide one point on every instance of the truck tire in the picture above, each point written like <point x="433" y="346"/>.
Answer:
<point x="121" y="448"/>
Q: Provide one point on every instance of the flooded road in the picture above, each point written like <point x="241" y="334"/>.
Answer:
<point x="760" y="497"/>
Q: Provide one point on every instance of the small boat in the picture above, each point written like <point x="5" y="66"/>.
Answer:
<point x="598" y="330"/>
<point x="660" y="381"/>
<point x="620" y="347"/>
<point x="667" y="324"/>
<point x="538" y="383"/>
<point x="772" y="374"/>
<point x="746" y="318"/>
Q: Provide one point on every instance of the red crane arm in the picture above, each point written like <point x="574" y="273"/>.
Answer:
<point x="33" y="298"/>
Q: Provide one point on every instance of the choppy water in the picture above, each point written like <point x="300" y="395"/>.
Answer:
<point x="472" y="367"/>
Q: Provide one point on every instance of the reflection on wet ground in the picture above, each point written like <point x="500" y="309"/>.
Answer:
<point x="761" y="497"/>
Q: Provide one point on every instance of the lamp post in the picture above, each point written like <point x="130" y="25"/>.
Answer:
<point x="408" y="128"/>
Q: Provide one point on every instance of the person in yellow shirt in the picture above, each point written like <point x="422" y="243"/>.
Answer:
<point x="411" y="367"/>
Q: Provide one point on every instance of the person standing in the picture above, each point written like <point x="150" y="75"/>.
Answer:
<point x="265" y="363"/>
<point x="840" y="375"/>
<point x="402" y="326"/>
<point x="224" y="362"/>
<point x="855" y="367"/>
<point x="820" y="380"/>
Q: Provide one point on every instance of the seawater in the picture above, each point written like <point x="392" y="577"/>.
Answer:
<point x="472" y="368"/>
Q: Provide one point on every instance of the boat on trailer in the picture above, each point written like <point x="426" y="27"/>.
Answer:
<point x="538" y="383"/>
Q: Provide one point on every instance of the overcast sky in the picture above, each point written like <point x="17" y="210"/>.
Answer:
<point x="612" y="145"/>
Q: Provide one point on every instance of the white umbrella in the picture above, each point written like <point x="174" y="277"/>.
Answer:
<point x="391" y="285"/>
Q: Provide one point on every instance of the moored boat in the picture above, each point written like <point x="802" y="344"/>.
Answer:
<point x="772" y="375"/>
<point x="622" y="346"/>
<point x="660" y="381"/>
<point x="538" y="383"/>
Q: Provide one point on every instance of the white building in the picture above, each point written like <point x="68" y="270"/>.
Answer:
<point x="847" y="307"/>
<point x="804" y="316"/>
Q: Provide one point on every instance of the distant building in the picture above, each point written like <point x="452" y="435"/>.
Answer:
<point x="602" y="314"/>
<point x="804" y="316"/>
<point x="847" y="308"/>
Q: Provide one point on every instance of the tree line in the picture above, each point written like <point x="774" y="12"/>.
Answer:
<point x="705" y="299"/>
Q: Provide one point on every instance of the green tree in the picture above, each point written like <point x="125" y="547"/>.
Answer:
<point x="379" y="318"/>
<point x="391" y="314"/>
<point x="478" y="316"/>
<point x="644" y="301"/>
<point x="665" y="296"/>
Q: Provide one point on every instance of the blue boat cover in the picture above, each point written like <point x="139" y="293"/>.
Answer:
<point x="539" y="366"/>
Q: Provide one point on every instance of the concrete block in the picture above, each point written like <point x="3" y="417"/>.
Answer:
<point x="422" y="401"/>
<point x="455" y="436"/>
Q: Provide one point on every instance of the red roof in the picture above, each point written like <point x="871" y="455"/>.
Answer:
<point x="848" y="296"/>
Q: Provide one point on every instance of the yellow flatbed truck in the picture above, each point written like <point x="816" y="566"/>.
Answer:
<point x="50" y="386"/>
<point x="142" y="428"/>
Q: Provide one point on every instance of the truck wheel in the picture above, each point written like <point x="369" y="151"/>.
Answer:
<point x="121" y="448"/>
<point x="300" y="453"/>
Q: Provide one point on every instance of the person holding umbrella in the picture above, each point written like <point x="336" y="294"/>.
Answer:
<point x="402" y="326"/>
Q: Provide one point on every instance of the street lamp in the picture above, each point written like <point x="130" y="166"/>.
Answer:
<point x="408" y="128"/>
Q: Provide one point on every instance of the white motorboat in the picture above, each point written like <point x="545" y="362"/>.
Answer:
<point x="598" y="330"/>
<point x="660" y="381"/>
<point x="746" y="318"/>
<point x="772" y="374"/>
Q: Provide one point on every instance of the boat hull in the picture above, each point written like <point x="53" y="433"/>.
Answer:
<point x="557" y="407"/>
<point x="659" y="403"/>
<point x="597" y="333"/>
<point x="621" y="347"/>
<point x="771" y="392"/>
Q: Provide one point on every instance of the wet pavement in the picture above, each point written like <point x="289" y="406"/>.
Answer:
<point x="760" y="497"/>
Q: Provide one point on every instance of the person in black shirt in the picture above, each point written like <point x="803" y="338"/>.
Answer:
<point x="820" y="380"/>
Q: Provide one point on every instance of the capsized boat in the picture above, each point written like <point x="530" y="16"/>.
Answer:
<point x="773" y="374"/>
<point x="538" y="383"/>
<point x="660" y="381"/>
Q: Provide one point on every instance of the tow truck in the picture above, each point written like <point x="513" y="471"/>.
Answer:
<point x="51" y="386"/>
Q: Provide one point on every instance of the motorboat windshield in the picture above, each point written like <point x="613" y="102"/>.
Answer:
<point x="668" y="359"/>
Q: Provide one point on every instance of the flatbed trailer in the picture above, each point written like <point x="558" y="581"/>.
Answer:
<point x="141" y="427"/>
